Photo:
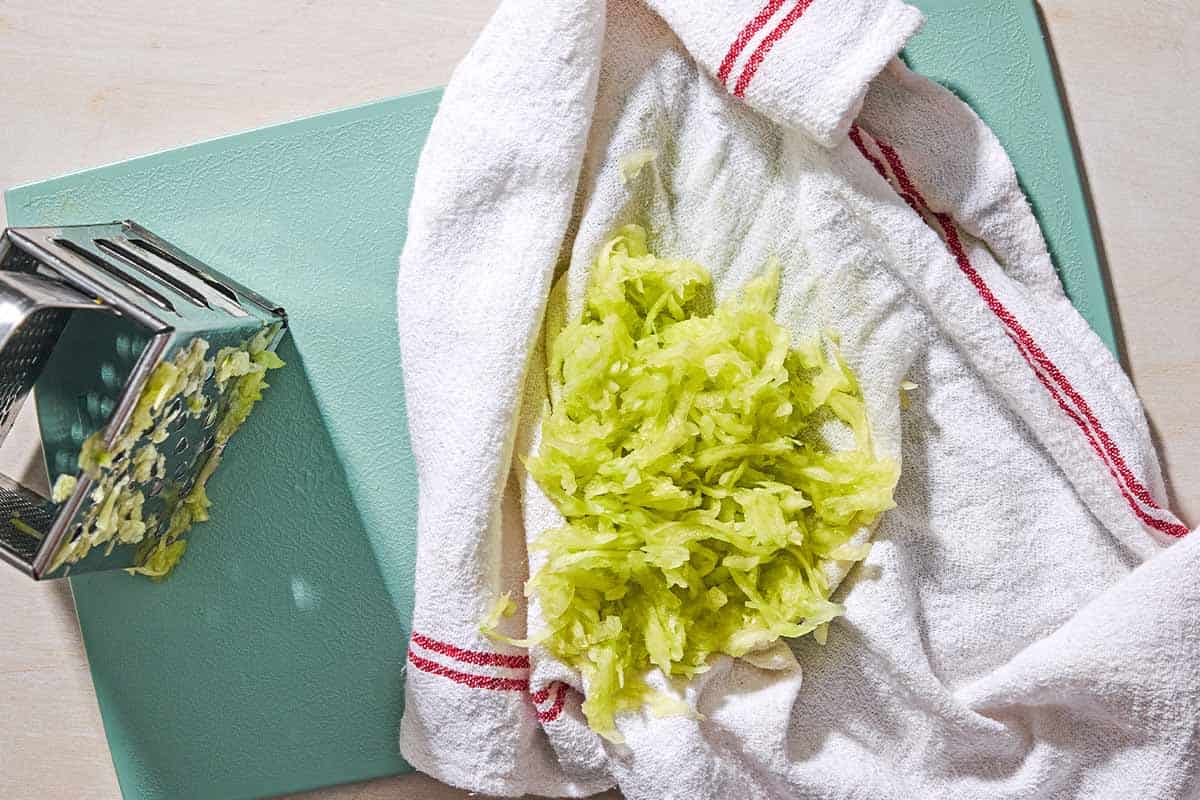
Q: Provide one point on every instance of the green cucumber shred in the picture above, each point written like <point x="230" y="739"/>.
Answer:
<point x="122" y="472"/>
<point x="708" y="471"/>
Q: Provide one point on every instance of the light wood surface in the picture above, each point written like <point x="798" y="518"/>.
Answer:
<point x="89" y="84"/>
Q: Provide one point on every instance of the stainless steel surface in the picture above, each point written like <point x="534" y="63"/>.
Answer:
<point x="225" y="285"/>
<point x="170" y="299"/>
<point x="23" y="351"/>
<point x="33" y="312"/>
<point x="72" y="508"/>
<point x="51" y="259"/>
<point x="22" y="512"/>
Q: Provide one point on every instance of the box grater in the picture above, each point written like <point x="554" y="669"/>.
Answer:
<point x="89" y="315"/>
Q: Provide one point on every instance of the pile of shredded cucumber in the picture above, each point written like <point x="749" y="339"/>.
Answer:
<point x="121" y="474"/>
<point x="689" y="450"/>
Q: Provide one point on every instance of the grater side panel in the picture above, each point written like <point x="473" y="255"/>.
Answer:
<point x="83" y="383"/>
<point x="25" y="519"/>
<point x="23" y="357"/>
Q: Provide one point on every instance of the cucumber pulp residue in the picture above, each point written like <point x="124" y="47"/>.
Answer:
<point x="121" y="473"/>
<point x="688" y="453"/>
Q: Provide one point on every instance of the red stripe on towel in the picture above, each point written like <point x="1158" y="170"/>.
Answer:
<point x="744" y="36"/>
<point x="893" y="158"/>
<point x="1035" y="357"/>
<point x="856" y="137"/>
<point x="475" y="657"/>
<point x="1033" y="354"/>
<point x="552" y="713"/>
<point x="1153" y="522"/>
<point x="764" y="47"/>
<point x="467" y="679"/>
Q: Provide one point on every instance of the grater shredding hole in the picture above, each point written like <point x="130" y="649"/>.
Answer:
<point x="176" y="407"/>
<point x="19" y="261"/>
<point x="66" y="461"/>
<point x="209" y="443"/>
<point x="129" y="347"/>
<point x="108" y="374"/>
<point x="182" y="445"/>
<point x="181" y="472"/>
<point x="155" y="488"/>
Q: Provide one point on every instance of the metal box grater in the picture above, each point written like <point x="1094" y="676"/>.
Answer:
<point x="87" y="314"/>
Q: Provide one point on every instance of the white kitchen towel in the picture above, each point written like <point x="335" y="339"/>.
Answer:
<point x="1020" y="630"/>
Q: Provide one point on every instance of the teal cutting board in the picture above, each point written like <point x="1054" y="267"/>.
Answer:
<point x="272" y="661"/>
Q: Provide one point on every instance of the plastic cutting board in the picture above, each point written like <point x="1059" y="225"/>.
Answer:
<point x="272" y="661"/>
